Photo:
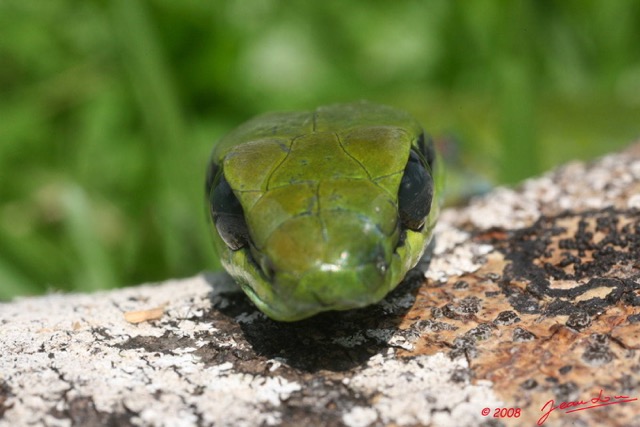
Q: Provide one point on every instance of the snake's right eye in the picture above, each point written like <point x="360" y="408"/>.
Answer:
<point x="227" y="214"/>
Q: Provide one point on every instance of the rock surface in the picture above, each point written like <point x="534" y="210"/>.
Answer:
<point x="531" y="299"/>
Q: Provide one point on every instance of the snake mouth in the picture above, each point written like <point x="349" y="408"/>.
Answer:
<point x="278" y="311"/>
<point x="326" y="304"/>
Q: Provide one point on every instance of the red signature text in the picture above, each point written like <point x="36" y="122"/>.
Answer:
<point x="581" y="405"/>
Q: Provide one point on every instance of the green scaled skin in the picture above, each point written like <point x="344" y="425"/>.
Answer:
<point x="319" y="195"/>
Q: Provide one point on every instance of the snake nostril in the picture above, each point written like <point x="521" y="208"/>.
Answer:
<point x="380" y="260"/>
<point x="381" y="266"/>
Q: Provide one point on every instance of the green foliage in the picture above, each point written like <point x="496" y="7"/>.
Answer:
<point x="109" y="109"/>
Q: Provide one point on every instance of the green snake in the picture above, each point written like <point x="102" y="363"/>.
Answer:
<point x="322" y="210"/>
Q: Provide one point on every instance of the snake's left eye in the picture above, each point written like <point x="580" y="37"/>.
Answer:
<point x="415" y="193"/>
<point x="227" y="214"/>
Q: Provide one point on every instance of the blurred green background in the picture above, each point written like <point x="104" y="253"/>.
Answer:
<point x="109" y="109"/>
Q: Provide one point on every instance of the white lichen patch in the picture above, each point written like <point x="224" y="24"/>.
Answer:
<point x="455" y="253"/>
<point x="242" y="400"/>
<point x="418" y="392"/>
<point x="503" y="207"/>
<point x="57" y="349"/>
<point x="612" y="181"/>
<point x="360" y="417"/>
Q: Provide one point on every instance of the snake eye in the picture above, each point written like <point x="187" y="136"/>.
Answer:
<point x="415" y="193"/>
<point x="227" y="214"/>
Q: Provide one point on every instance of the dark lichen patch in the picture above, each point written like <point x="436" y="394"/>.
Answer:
<point x="559" y="307"/>
<point x="461" y="375"/>
<point x="565" y="369"/>
<point x="467" y="345"/>
<point x="480" y="332"/>
<point x="634" y="318"/>
<point x="552" y="380"/>
<point x="470" y="305"/>
<point x="464" y="347"/>
<point x="461" y="284"/>
<point x="321" y="402"/>
<point x="165" y="344"/>
<point x="464" y="308"/>
<point x="522" y="335"/>
<point x="629" y="384"/>
<point x="566" y="392"/>
<point x="228" y="349"/>
<point x="572" y="263"/>
<point x="506" y="317"/>
<point x="579" y="320"/>
<point x="101" y="333"/>
<point x="81" y="411"/>
<point x="522" y="302"/>
<point x="449" y="310"/>
<point x="430" y="325"/>
<point x="5" y="394"/>
<point x="437" y="312"/>
<point x="597" y="352"/>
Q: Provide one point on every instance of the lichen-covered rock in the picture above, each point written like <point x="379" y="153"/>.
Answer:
<point x="531" y="299"/>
